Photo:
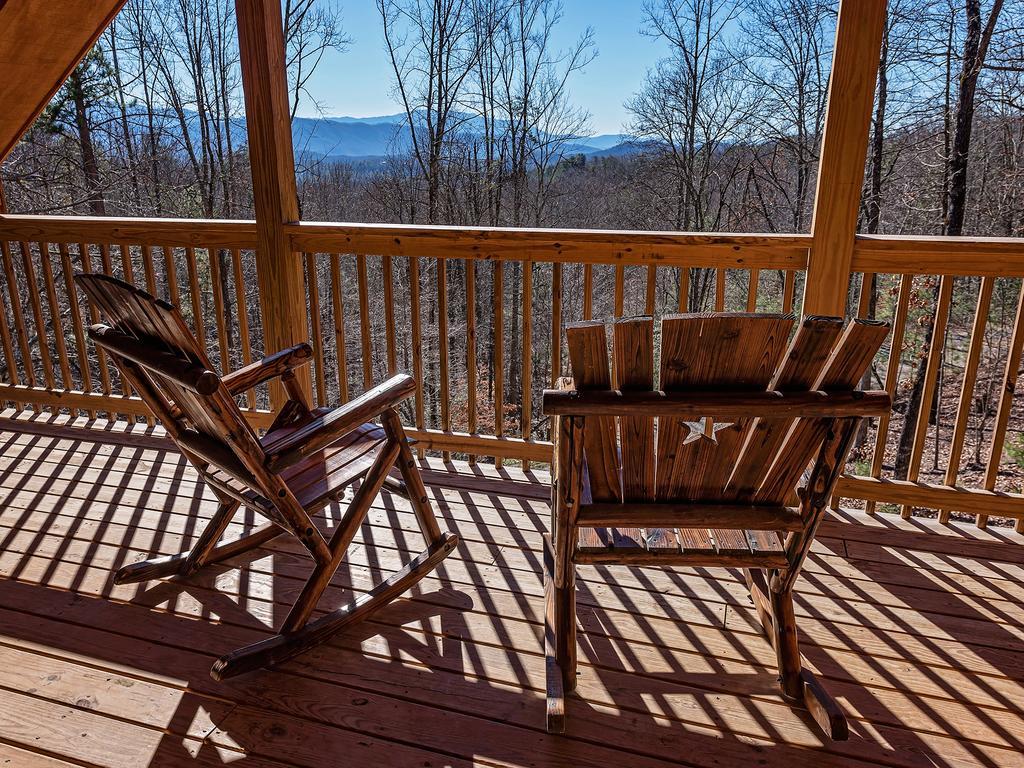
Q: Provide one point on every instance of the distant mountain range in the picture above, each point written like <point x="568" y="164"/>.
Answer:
<point x="364" y="141"/>
<point x="366" y="138"/>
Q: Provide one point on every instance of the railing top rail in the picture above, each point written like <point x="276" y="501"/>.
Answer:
<point x="933" y="255"/>
<point x="224" y="233"/>
<point x="887" y="254"/>
<point x="718" y="249"/>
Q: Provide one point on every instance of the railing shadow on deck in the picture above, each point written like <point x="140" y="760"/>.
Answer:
<point x="674" y="667"/>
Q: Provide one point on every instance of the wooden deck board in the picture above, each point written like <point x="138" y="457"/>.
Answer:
<point x="918" y="632"/>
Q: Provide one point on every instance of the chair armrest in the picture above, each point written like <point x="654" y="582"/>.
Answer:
<point x="320" y="432"/>
<point x="269" y="367"/>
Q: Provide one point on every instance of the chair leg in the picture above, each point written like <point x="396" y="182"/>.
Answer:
<point x="298" y="634"/>
<point x="559" y="641"/>
<point x="799" y="685"/>
<point x="346" y="531"/>
<point x="188" y="562"/>
<point x="787" y="648"/>
<point x="415" y="491"/>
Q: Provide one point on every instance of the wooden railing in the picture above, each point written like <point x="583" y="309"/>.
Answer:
<point x="471" y="313"/>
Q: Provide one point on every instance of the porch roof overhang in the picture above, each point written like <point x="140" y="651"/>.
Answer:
<point x="41" y="43"/>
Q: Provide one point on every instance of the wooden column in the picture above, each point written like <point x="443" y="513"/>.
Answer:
<point x="844" y="145"/>
<point x="278" y="268"/>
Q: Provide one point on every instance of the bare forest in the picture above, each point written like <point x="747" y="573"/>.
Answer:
<point x="723" y="135"/>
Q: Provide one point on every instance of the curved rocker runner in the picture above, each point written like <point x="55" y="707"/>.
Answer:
<point x="305" y="461"/>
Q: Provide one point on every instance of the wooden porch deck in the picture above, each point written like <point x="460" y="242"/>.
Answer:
<point x="918" y="628"/>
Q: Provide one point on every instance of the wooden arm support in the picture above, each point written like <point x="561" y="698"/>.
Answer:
<point x="719" y="404"/>
<point x="320" y="432"/>
<point x="270" y="367"/>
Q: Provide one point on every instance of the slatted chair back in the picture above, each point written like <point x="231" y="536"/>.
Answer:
<point x="156" y="353"/>
<point x="753" y="460"/>
<point x="154" y="348"/>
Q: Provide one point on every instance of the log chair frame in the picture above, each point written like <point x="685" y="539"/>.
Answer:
<point x="157" y="355"/>
<point x="770" y="576"/>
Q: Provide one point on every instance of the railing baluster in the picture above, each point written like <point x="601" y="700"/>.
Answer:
<point x="588" y="291"/>
<point x="128" y="273"/>
<point x="442" y="347"/>
<point x="365" y="329"/>
<point x="150" y="271"/>
<point x="107" y="264"/>
<point x="417" y="342"/>
<point x="171" y="276"/>
<point x="963" y="411"/>
<point x="196" y="296"/>
<point x="498" y="344"/>
<point x="892" y="372"/>
<point x="556" y="323"/>
<point x="930" y="381"/>
<point x="94" y="317"/>
<point x="126" y="262"/>
<point x="5" y="332"/>
<point x="753" y="277"/>
<point x="219" y="309"/>
<point x="55" y="319"/>
<point x="719" y="290"/>
<point x="37" y="313"/>
<point x="316" y="337"/>
<point x="76" y="323"/>
<point x="867" y="285"/>
<point x="1005" y="406"/>
<point x="338" y="311"/>
<point x="527" y="412"/>
<point x="19" y="317"/>
<point x="389" y="315"/>
<point x="471" y="425"/>
<point x="652" y="287"/>
<point x="683" y="299"/>
<point x="788" y="291"/>
<point x="243" y="317"/>
<point x="620" y="289"/>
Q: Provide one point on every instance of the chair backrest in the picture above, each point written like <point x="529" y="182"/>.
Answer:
<point x="754" y="460"/>
<point x="157" y="354"/>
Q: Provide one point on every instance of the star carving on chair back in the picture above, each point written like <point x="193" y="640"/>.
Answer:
<point x="704" y="427"/>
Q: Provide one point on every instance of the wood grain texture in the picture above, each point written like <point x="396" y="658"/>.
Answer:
<point x="588" y="356"/>
<point x="633" y="366"/>
<point x="807" y="355"/>
<point x="275" y="200"/>
<point x="40" y="46"/>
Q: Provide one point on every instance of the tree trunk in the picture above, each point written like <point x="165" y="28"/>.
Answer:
<point x="90" y="168"/>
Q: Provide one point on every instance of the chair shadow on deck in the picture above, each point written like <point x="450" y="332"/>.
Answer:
<point x="674" y="667"/>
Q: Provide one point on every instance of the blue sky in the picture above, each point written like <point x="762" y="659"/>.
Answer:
<point x="358" y="82"/>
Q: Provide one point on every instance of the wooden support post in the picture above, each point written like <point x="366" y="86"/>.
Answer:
<point x="276" y="202"/>
<point x="843" y="151"/>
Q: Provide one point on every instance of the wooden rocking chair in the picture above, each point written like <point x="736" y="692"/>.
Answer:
<point x="306" y="459"/>
<point x="740" y="415"/>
